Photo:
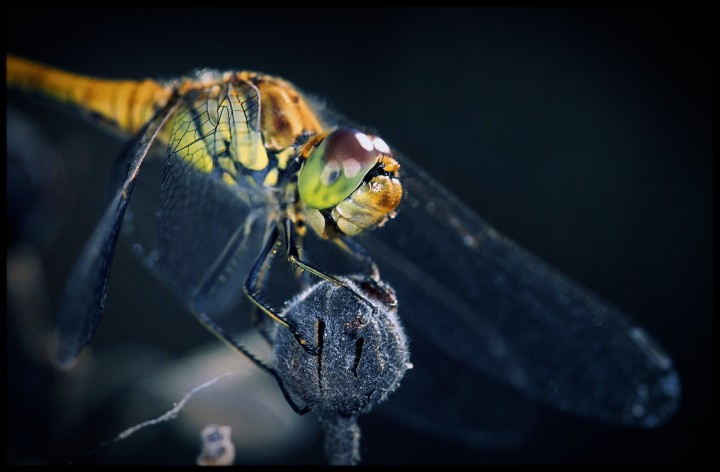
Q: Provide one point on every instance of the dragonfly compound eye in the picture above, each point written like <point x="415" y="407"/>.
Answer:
<point x="337" y="167"/>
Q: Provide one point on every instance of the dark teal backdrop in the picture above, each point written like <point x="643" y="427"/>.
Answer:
<point x="583" y="134"/>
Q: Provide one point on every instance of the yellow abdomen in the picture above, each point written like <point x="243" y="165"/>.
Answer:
<point x="125" y="104"/>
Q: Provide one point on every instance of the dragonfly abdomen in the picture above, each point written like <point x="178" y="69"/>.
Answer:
<point x="124" y="104"/>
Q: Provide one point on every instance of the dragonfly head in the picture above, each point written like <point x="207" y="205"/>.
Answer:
<point x="348" y="182"/>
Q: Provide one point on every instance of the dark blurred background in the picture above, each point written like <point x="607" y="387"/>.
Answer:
<point x="583" y="134"/>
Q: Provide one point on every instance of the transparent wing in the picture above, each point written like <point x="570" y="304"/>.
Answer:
<point x="86" y="287"/>
<point x="452" y="399"/>
<point x="472" y="299"/>
<point x="201" y="223"/>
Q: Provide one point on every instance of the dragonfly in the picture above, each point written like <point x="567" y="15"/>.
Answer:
<point x="245" y="172"/>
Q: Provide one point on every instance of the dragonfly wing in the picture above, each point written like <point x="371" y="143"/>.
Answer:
<point x="483" y="302"/>
<point x="86" y="287"/>
<point x="200" y="223"/>
<point x="451" y="399"/>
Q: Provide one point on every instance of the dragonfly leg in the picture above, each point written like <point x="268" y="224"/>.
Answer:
<point x="215" y="329"/>
<point x="297" y="409"/>
<point x="254" y="285"/>
<point x="259" y="320"/>
<point x="218" y="331"/>
<point x="293" y="257"/>
<point x="356" y="250"/>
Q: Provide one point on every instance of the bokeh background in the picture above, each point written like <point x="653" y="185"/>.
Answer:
<point x="583" y="134"/>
